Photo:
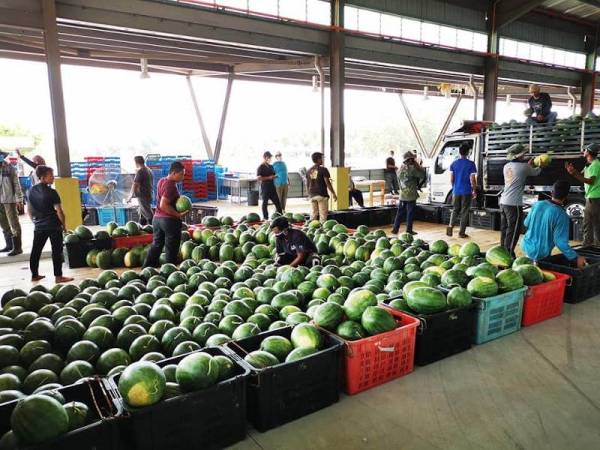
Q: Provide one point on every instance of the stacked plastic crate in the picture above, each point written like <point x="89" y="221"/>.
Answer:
<point x="211" y="178"/>
<point x="159" y="165"/>
<point x="222" y="191"/>
<point x="195" y="184"/>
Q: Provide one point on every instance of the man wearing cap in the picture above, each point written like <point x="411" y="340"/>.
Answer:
<point x="11" y="200"/>
<point x="266" y="175"/>
<point x="282" y="180"/>
<point x="293" y="247"/>
<point x="540" y="104"/>
<point x="547" y="227"/>
<point x="516" y="172"/>
<point x="410" y="176"/>
<point x="590" y="177"/>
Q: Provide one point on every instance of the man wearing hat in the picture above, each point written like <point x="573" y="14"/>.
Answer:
<point x="293" y="247"/>
<point x="547" y="227"/>
<point x="516" y="172"/>
<point x="410" y="176"/>
<point x="540" y="104"/>
<point x="11" y="199"/>
<point x="590" y="177"/>
<point x="266" y="175"/>
<point x="282" y="180"/>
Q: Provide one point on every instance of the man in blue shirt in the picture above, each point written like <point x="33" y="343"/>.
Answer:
<point x="548" y="226"/>
<point x="464" y="188"/>
<point x="282" y="180"/>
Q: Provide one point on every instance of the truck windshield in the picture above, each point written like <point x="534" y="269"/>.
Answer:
<point x="448" y="154"/>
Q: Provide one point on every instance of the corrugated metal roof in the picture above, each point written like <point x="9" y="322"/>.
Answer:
<point x="584" y="9"/>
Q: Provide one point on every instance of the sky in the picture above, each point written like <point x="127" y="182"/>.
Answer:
<point x="114" y="112"/>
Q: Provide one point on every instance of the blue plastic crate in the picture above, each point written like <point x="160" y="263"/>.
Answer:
<point x="107" y="214"/>
<point x="499" y="315"/>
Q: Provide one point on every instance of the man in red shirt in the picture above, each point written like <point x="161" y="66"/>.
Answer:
<point x="167" y="221"/>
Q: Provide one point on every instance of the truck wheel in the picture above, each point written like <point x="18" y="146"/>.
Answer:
<point x="575" y="207"/>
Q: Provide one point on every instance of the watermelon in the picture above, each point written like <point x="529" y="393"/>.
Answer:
<point x="39" y="418"/>
<point x="439" y="246"/>
<point x="458" y="297"/>
<point x="78" y="413"/>
<point x="306" y="335"/>
<point x="112" y="358"/>
<point x="260" y="359"/>
<point x="328" y="315"/>
<point x="531" y="274"/>
<point x="197" y="371"/>
<point x="482" y="287"/>
<point x="509" y="280"/>
<point x="350" y="330"/>
<point x="376" y="320"/>
<point x="357" y="302"/>
<point x="75" y="371"/>
<point x="469" y="249"/>
<point x="278" y="346"/>
<point x="522" y="260"/>
<point x="426" y="300"/>
<point x="226" y="367"/>
<point x="454" y="277"/>
<point x="142" y="384"/>
<point x="183" y="204"/>
<point x="499" y="257"/>
<point x="548" y="276"/>
<point x="299" y="353"/>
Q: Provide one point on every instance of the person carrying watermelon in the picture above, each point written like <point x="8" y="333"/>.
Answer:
<point x="410" y="176"/>
<point x="516" y="172"/>
<point x="293" y="247"/>
<point x="547" y="227"/>
<point x="167" y="220"/>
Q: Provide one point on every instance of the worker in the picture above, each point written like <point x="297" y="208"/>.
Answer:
<point x="354" y="193"/>
<point x="142" y="190"/>
<point x="547" y="226"/>
<point x="390" y="174"/>
<point x="590" y="177"/>
<point x="34" y="162"/>
<point x="515" y="172"/>
<point x="167" y="220"/>
<point x="540" y="106"/>
<point x="410" y="176"/>
<point x="11" y="200"/>
<point x="464" y="188"/>
<point x="293" y="247"/>
<point x="266" y="175"/>
<point x="318" y="180"/>
<point x="282" y="180"/>
<point x="45" y="210"/>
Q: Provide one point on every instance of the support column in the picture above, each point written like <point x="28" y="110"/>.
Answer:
<point x="205" y="139"/>
<point x="588" y="79"/>
<point x="336" y="83"/>
<point x="61" y="143"/>
<point x="219" y="142"/>
<point x="490" y="80"/>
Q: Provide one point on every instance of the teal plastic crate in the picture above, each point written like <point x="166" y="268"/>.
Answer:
<point x="499" y="315"/>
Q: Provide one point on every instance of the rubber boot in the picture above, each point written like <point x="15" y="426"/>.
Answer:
<point x="9" y="243"/>
<point x="17" y="249"/>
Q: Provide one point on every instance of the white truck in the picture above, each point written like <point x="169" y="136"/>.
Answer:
<point x="564" y="140"/>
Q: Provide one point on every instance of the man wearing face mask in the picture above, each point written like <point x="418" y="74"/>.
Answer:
<point x="11" y="199"/>
<point x="547" y="227"/>
<point x="294" y="248"/>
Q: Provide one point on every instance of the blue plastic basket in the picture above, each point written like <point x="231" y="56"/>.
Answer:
<point x="499" y="315"/>
<point x="107" y="214"/>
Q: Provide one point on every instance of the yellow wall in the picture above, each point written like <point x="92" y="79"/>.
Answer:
<point x="68" y="189"/>
<point x="340" y="181"/>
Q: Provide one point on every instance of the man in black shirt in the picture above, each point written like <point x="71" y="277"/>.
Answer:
<point x="266" y="175"/>
<point x="318" y="180"/>
<point x="390" y="174"/>
<point x="142" y="190"/>
<point x="46" y="213"/>
<point x="540" y="104"/>
<point x="293" y="247"/>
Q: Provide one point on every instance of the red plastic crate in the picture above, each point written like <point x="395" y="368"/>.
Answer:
<point x="132" y="241"/>
<point x="544" y="301"/>
<point x="378" y="359"/>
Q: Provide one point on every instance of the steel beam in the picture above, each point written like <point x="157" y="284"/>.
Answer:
<point x="446" y="125"/>
<point x="413" y="126"/>
<point x="336" y="84"/>
<point x="219" y="142"/>
<point x="508" y="11"/>
<point x="61" y="142"/>
<point x="490" y="80"/>
<point x="588" y="79"/>
<point x="207" y="146"/>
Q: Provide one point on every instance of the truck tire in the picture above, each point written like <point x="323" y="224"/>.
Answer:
<point x="575" y="206"/>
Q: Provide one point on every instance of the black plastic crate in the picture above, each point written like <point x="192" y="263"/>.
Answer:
<point x="132" y="214"/>
<point x="380" y="215"/>
<point x="91" y="218"/>
<point x="75" y="253"/>
<point x="444" y="334"/>
<point x="199" y="212"/>
<point x="486" y="219"/>
<point x="288" y="391"/>
<point x="445" y="214"/>
<point x="584" y="284"/>
<point x="209" y="419"/>
<point x="101" y="430"/>
<point x="352" y="218"/>
<point x="428" y="213"/>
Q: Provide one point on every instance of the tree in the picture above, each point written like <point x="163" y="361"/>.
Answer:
<point x="6" y="130"/>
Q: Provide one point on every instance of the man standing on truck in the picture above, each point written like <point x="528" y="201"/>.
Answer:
<point x="464" y="188"/>
<point x="590" y="177"/>
<point x="516" y="172"/>
<point x="540" y="104"/>
<point x="410" y="175"/>
<point x="548" y="226"/>
<point x="390" y="174"/>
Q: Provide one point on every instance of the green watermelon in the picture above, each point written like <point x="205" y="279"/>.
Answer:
<point x="439" y="246"/>
<point x="458" y="297"/>
<point x="260" y="359"/>
<point x="78" y="413"/>
<point x="376" y="320"/>
<point x="531" y="274"/>
<point x="357" y="302"/>
<point x="469" y="249"/>
<point x="142" y="384"/>
<point x="499" y="257"/>
<point x="39" y="418"/>
<point x="306" y="335"/>
<point x="454" y="277"/>
<point x="522" y="260"/>
<point x="197" y="371"/>
<point x="351" y="330"/>
<point x="183" y="204"/>
<point x="328" y="315"/>
<point x="509" y="280"/>
<point x="426" y="300"/>
<point x="75" y="371"/>
<point x="278" y="346"/>
<point x="300" y="353"/>
<point x="482" y="287"/>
